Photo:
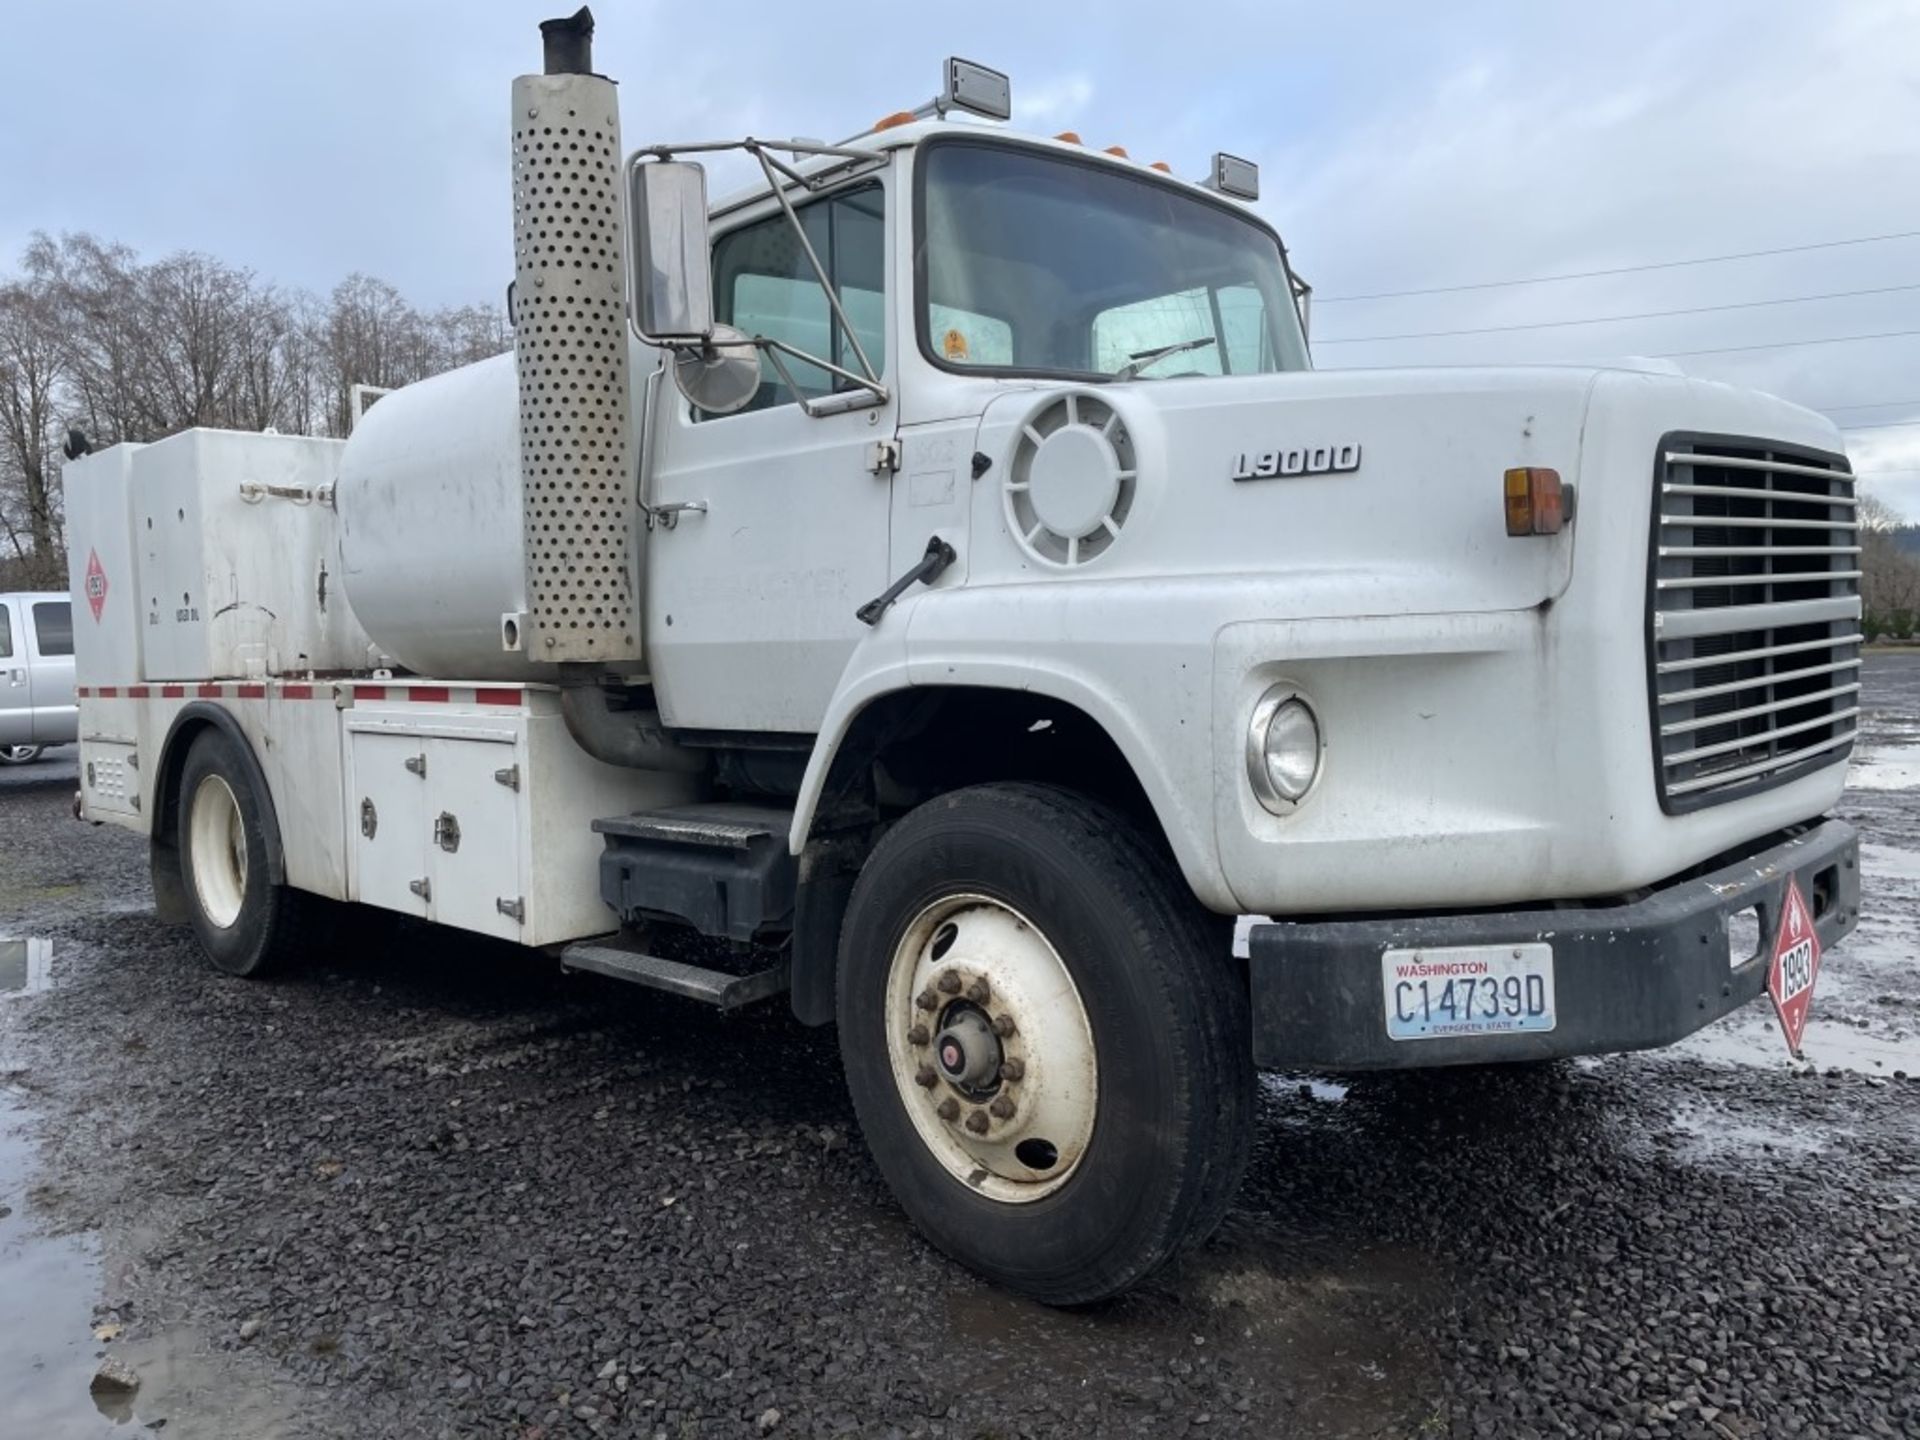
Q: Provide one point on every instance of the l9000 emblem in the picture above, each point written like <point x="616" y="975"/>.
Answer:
<point x="1302" y="460"/>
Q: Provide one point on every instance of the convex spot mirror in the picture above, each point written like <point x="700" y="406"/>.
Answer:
<point x="668" y="277"/>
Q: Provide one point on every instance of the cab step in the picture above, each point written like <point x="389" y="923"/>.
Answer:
<point x="712" y="987"/>
<point x="721" y="868"/>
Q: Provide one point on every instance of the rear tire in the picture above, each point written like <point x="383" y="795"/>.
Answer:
<point x="247" y="925"/>
<point x="19" y="754"/>
<point x="1028" y="927"/>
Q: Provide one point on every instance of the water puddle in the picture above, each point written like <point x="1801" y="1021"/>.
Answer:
<point x="1711" y="1134"/>
<point x="47" y="1285"/>
<point x="1886" y="767"/>
<point x="55" y="1332"/>
<point x="1304" y="1087"/>
<point x="25" y="966"/>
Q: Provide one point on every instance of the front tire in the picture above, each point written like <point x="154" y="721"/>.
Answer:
<point x="1046" y="1040"/>
<point x="246" y="924"/>
<point x="19" y="754"/>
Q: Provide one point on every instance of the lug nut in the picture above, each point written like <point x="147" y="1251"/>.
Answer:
<point x="1013" y="1070"/>
<point x="977" y="1121"/>
<point x="1003" y="1026"/>
<point x="949" y="982"/>
<point x="979" y="993"/>
<point x="924" y="1077"/>
<point x="926" y="999"/>
<point x="917" y="1035"/>
<point x="1002" y="1107"/>
<point x="948" y="1110"/>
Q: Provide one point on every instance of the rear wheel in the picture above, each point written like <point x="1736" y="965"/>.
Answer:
<point x="19" y="754"/>
<point x="1046" y="1040"/>
<point x="246" y="924"/>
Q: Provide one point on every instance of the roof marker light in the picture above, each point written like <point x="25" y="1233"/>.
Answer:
<point x="1234" y="176"/>
<point x="1162" y="166"/>
<point x="898" y="117"/>
<point x="1119" y="150"/>
<point x="1071" y="137"/>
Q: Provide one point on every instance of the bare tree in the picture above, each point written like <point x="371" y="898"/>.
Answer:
<point x="94" y="338"/>
<point x="1889" y="569"/>
<point x="30" y="379"/>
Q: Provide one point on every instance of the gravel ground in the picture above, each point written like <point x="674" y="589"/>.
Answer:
<point x="433" y="1188"/>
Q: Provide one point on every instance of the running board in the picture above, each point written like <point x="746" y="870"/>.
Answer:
<point x="711" y="987"/>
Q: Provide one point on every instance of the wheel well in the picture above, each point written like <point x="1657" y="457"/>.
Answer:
<point x="169" y="881"/>
<point x="911" y="745"/>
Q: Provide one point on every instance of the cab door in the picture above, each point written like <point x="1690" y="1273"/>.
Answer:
<point x="750" y="601"/>
<point x="16" y="684"/>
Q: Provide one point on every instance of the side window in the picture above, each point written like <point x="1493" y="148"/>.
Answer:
<point x="764" y="286"/>
<point x="1124" y="331"/>
<point x="53" y="627"/>
<point x="6" y="634"/>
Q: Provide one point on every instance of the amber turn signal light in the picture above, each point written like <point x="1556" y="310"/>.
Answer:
<point x="1537" y="503"/>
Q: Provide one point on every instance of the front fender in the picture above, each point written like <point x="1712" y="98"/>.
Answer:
<point x="1022" y="639"/>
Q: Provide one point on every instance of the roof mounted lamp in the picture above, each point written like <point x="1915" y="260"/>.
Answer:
<point x="1234" y="176"/>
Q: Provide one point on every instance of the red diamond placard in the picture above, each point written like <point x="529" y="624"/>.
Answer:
<point x="96" y="584"/>
<point x="1796" y="965"/>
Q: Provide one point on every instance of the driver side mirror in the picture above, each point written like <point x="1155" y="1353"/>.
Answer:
<point x="669" y="274"/>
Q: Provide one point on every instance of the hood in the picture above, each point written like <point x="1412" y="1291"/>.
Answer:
<point x="1383" y="487"/>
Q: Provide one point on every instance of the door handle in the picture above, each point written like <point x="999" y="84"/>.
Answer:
<point x="668" y="515"/>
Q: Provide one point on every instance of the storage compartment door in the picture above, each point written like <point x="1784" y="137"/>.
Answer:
<point x="387" y="820"/>
<point x="473" y="819"/>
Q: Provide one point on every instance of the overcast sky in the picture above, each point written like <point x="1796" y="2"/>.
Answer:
<point x="1402" y="147"/>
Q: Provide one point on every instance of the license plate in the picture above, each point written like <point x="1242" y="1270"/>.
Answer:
<point x="1458" y="991"/>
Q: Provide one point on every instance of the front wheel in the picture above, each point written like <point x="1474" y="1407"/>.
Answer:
<point x="19" y="754"/>
<point x="1047" y="1041"/>
<point x="246" y="923"/>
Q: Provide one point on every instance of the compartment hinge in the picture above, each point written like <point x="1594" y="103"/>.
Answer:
<point x="514" y="909"/>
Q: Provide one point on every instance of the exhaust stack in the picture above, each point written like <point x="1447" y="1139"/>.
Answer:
<point x="570" y="347"/>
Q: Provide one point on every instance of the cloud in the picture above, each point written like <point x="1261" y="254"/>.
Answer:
<point x="1052" y="102"/>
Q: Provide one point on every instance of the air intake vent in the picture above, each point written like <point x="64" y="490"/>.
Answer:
<point x="1071" y="483"/>
<point x="1754" y="625"/>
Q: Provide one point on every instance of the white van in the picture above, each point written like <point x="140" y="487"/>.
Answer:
<point x="37" y="707"/>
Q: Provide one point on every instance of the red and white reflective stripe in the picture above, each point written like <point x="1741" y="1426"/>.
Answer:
<point x="386" y="693"/>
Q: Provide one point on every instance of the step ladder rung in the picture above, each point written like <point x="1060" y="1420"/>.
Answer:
<point x="695" y="982"/>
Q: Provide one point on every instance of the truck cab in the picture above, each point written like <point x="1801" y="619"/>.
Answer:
<point x="37" y="704"/>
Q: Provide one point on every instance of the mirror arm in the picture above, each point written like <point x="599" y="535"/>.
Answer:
<point x="773" y="349"/>
<point x="868" y="376"/>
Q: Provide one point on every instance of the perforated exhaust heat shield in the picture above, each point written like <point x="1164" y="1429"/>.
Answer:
<point x="570" y="323"/>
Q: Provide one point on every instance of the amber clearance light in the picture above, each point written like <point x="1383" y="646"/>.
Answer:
<point x="1537" y="503"/>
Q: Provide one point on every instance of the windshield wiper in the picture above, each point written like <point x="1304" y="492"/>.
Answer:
<point x="1141" y="359"/>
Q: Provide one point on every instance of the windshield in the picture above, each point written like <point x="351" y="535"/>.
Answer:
<point x="1037" y="263"/>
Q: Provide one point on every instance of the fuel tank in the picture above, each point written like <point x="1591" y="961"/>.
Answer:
<point x="431" y="530"/>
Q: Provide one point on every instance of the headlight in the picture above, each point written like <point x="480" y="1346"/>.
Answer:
<point x="1283" y="749"/>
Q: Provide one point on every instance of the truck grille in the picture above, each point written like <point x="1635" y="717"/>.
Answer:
<point x="1754" y="627"/>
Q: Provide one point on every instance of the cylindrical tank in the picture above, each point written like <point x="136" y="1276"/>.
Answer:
<point x="431" y="532"/>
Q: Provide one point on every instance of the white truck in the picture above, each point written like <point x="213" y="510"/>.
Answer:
<point x="936" y="578"/>
<point x="37" y="705"/>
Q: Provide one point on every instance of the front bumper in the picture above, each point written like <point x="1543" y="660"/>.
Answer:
<point x="1626" y="977"/>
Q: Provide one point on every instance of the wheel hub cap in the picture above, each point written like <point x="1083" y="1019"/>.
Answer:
<point x="991" y="1048"/>
<point x="967" y="1051"/>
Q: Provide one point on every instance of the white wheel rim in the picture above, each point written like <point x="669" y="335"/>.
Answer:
<point x="217" y="838"/>
<point x="973" y="977"/>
